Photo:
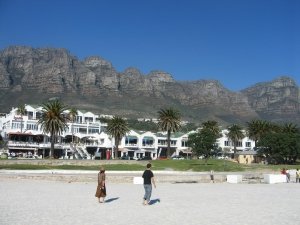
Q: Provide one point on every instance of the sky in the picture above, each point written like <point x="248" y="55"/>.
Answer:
<point x="237" y="42"/>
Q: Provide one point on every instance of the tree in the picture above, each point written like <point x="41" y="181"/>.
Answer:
<point x="134" y="124"/>
<point x="72" y="114"/>
<point x="213" y="126"/>
<point x="257" y="128"/>
<point x="189" y="127"/>
<point x="53" y="120"/>
<point x="290" y="128"/>
<point x="280" y="147"/>
<point x="203" y="142"/>
<point x="1" y="141"/>
<point x="235" y="134"/>
<point x="169" y="120"/>
<point x="21" y="111"/>
<point x="117" y="127"/>
<point x="281" y="144"/>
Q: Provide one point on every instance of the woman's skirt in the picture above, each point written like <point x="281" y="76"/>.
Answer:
<point x="100" y="192"/>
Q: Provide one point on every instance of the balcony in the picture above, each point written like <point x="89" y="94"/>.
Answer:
<point x="131" y="144"/>
<point x="23" y="145"/>
<point x="148" y="146"/>
<point x="165" y="144"/>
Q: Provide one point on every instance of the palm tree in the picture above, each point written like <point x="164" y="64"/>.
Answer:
<point x="256" y="129"/>
<point x="21" y="111"/>
<point x="72" y="114"/>
<point x="169" y="120"/>
<point x="117" y="127"/>
<point x="53" y="120"/>
<point x="290" y="128"/>
<point x="213" y="126"/>
<point x="235" y="133"/>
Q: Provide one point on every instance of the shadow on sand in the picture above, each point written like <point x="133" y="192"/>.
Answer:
<point x="111" y="200"/>
<point x="154" y="201"/>
<point x="185" y="182"/>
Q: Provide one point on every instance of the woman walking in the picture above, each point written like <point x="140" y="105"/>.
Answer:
<point x="297" y="176"/>
<point x="101" y="189"/>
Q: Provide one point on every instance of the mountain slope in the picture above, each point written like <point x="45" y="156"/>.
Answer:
<point x="33" y="75"/>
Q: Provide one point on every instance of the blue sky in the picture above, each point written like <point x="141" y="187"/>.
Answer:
<point x="238" y="42"/>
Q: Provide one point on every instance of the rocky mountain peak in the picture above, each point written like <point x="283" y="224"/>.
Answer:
<point x="283" y="81"/>
<point x="132" y="72"/>
<point x="160" y="76"/>
<point x="277" y="97"/>
<point x="31" y="75"/>
<point x="96" y="61"/>
<point x="16" y="50"/>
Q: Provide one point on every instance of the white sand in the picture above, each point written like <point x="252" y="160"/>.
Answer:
<point x="36" y="202"/>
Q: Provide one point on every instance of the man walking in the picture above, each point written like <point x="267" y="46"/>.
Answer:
<point x="148" y="181"/>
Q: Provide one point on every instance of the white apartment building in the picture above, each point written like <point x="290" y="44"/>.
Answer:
<point x="86" y="136"/>
<point x="25" y="135"/>
<point x="227" y="145"/>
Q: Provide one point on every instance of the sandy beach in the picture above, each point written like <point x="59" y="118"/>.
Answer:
<point x="35" y="202"/>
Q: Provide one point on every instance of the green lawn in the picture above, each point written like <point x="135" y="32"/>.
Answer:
<point x="114" y="167"/>
<point x="167" y="165"/>
<point x="196" y="165"/>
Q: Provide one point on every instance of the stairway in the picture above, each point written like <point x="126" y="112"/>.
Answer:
<point x="80" y="152"/>
<point x="84" y="152"/>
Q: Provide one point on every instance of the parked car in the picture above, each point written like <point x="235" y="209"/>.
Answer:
<point x="145" y="158"/>
<point x="98" y="154"/>
<point x="177" y="157"/>
<point x="222" y="157"/>
<point x="3" y="155"/>
<point x="126" y="157"/>
<point x="163" y="157"/>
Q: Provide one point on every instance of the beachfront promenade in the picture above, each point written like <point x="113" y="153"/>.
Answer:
<point x="49" y="199"/>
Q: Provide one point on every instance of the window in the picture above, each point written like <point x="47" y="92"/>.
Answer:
<point x="131" y="140"/>
<point x="239" y="144"/>
<point x="147" y="141"/>
<point x="31" y="126"/>
<point x="93" y="130"/>
<point x="173" y="142"/>
<point x="30" y="115"/>
<point x="248" y="144"/>
<point x="15" y="125"/>
<point x="226" y="143"/>
<point x="38" y="115"/>
<point x="88" y="119"/>
<point x="82" y="130"/>
<point x="162" y="142"/>
<point x="75" y="130"/>
<point x="184" y="143"/>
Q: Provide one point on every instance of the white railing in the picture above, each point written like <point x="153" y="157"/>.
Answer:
<point x="84" y="151"/>
<point x="22" y="144"/>
<point x="80" y="151"/>
<point x="78" y="154"/>
<point x="131" y="145"/>
<point x="165" y="144"/>
<point x="148" y="146"/>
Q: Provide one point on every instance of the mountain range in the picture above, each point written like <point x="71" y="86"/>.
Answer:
<point x="34" y="75"/>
